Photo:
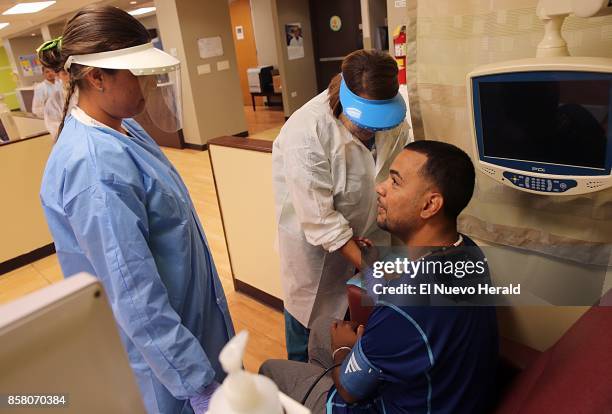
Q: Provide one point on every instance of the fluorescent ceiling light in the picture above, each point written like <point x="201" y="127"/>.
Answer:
<point x="142" y="10"/>
<point x="24" y="8"/>
<point x="3" y="25"/>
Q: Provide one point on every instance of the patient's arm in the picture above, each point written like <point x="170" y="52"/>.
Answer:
<point x="352" y="253"/>
<point x="343" y="334"/>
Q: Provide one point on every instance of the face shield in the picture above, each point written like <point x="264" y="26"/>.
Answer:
<point x="158" y="76"/>
<point x="372" y="114"/>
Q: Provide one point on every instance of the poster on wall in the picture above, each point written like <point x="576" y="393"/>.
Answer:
<point x="210" y="47"/>
<point x="30" y="65"/>
<point x="295" y="41"/>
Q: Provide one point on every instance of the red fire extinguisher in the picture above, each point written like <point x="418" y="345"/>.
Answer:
<point x="399" y="43"/>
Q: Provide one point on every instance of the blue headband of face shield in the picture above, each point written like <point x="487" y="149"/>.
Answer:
<point x="372" y="114"/>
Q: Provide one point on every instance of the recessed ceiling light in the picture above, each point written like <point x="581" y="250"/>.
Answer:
<point x="142" y="10"/>
<point x="133" y="2"/>
<point x="24" y="8"/>
<point x="33" y="34"/>
<point x="3" y="25"/>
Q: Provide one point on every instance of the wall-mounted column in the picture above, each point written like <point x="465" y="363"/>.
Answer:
<point x="298" y="75"/>
<point x="199" y="33"/>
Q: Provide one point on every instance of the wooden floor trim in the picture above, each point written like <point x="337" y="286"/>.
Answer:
<point x="258" y="295"/>
<point x="26" y="259"/>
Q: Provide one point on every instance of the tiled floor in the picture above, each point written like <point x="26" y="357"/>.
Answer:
<point x="264" y="324"/>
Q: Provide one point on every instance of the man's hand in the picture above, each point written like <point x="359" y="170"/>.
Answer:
<point x="345" y="334"/>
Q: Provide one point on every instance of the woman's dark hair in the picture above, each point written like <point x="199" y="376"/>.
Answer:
<point x="93" y="29"/>
<point x="368" y="73"/>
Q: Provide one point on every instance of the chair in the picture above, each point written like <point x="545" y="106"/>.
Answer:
<point x="572" y="376"/>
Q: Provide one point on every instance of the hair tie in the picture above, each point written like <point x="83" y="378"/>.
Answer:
<point x="50" y="44"/>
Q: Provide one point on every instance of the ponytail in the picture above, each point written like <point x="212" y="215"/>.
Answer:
<point x="69" y="92"/>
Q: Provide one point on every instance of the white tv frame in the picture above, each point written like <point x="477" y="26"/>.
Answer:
<point x="585" y="183"/>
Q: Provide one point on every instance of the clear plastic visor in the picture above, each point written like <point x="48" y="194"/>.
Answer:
<point x="163" y="103"/>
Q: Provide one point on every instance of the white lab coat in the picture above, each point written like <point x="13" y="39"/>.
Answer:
<point x="324" y="184"/>
<point x="54" y="108"/>
<point x="42" y="92"/>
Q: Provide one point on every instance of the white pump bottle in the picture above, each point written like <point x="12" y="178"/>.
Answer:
<point x="246" y="393"/>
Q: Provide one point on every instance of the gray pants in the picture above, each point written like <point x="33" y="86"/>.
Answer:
<point x="295" y="378"/>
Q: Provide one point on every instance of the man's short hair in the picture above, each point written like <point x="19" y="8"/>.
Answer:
<point x="451" y="170"/>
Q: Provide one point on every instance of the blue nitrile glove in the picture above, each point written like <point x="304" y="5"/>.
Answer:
<point x="200" y="402"/>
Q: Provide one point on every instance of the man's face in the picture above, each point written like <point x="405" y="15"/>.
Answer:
<point x="404" y="195"/>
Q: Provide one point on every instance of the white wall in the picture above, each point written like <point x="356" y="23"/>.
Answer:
<point x="263" y="27"/>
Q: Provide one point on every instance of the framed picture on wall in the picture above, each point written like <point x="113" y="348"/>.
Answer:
<point x="295" y="41"/>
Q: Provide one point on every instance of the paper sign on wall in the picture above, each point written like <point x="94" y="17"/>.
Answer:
<point x="239" y="32"/>
<point x="210" y="47"/>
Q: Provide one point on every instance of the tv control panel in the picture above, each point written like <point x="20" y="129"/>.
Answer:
<point x="538" y="184"/>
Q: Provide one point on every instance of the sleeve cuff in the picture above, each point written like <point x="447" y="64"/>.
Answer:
<point x="339" y="241"/>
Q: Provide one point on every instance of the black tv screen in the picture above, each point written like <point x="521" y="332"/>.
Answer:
<point x="561" y="122"/>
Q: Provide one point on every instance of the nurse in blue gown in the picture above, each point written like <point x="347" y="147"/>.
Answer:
<point x="118" y="209"/>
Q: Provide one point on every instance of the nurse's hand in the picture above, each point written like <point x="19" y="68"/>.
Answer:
<point x="200" y="402"/>
<point x="363" y="242"/>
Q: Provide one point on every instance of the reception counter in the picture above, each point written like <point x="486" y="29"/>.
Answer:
<point x="28" y="125"/>
<point x="17" y="125"/>
<point x="242" y="170"/>
<point x="24" y="236"/>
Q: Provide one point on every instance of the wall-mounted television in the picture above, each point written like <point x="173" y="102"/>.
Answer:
<point x="544" y="125"/>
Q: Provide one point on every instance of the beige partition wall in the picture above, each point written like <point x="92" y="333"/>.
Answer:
<point x="22" y="222"/>
<point x="243" y="176"/>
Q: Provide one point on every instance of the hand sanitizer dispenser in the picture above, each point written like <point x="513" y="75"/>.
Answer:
<point x="246" y="393"/>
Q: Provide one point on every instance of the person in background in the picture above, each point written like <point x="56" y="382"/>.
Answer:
<point x="54" y="108"/>
<point x="326" y="161"/>
<point x="118" y="209"/>
<point x="406" y="358"/>
<point x="42" y="92"/>
<point x="296" y="37"/>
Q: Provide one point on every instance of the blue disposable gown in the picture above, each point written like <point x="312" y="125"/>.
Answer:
<point x="119" y="210"/>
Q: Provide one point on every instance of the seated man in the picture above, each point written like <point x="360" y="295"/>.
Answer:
<point x="407" y="359"/>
